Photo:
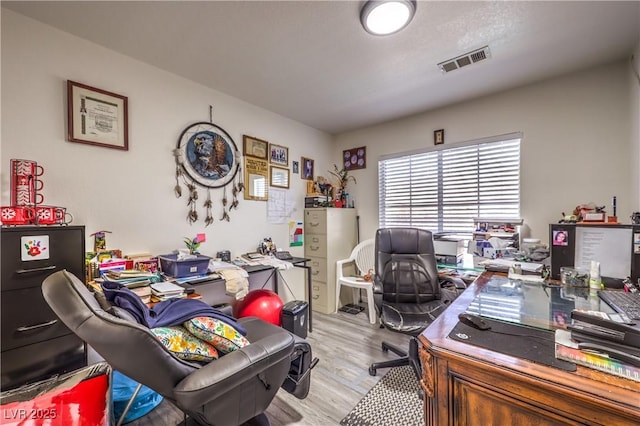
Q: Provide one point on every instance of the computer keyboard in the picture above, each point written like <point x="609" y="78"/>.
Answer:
<point x="622" y="302"/>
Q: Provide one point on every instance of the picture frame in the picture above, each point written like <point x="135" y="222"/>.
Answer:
<point x="438" y="137"/>
<point x="254" y="147"/>
<point x="279" y="177"/>
<point x="256" y="177"/>
<point x="279" y="155"/>
<point x="97" y="117"/>
<point x="307" y="172"/>
<point x="295" y="165"/>
<point x="355" y="158"/>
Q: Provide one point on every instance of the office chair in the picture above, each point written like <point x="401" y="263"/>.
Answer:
<point x="232" y="390"/>
<point x="407" y="291"/>
<point x="363" y="256"/>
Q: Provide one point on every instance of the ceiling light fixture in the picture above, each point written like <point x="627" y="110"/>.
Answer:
<point x="384" y="17"/>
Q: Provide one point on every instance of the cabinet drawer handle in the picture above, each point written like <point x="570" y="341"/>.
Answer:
<point x="44" y="268"/>
<point x="33" y="327"/>
<point x="315" y="272"/>
<point x="314" y="248"/>
<point x="316" y="297"/>
<point x="314" y="223"/>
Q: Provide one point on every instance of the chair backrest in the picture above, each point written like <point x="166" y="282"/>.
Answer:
<point x="405" y="265"/>
<point x="127" y="346"/>
<point x="365" y="256"/>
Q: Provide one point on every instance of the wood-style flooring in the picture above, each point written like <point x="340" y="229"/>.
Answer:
<point x="345" y="344"/>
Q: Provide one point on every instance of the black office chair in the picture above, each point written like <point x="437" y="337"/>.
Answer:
<point x="407" y="291"/>
<point x="232" y="390"/>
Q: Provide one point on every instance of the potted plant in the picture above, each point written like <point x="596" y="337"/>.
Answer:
<point x="343" y="179"/>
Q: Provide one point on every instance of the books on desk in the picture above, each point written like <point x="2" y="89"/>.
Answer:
<point x="129" y="278"/>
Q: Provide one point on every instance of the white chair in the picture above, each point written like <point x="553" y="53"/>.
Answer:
<point x="363" y="255"/>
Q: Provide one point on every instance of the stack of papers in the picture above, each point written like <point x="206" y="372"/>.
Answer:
<point x="166" y="290"/>
<point x="504" y="265"/>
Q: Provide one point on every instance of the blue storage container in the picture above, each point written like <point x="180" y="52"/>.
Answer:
<point x="173" y="267"/>
<point x="122" y="389"/>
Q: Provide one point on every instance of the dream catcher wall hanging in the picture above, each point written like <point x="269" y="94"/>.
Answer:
<point x="207" y="156"/>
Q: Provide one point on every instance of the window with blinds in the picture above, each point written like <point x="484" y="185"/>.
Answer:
<point x="444" y="189"/>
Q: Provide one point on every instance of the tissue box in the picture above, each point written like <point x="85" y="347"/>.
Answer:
<point x="173" y="267"/>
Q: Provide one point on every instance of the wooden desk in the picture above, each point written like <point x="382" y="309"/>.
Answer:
<point x="469" y="385"/>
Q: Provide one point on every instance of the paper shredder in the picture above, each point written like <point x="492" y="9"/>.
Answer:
<point x="295" y="317"/>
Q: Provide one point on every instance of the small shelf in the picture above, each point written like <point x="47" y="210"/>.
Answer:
<point x="503" y="228"/>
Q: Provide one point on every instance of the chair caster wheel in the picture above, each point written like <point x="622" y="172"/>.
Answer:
<point x="372" y="371"/>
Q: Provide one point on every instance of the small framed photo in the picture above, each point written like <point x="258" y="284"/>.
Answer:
<point x="296" y="167"/>
<point x="438" y="137"/>
<point x="307" y="168"/>
<point x="279" y="155"/>
<point x="279" y="177"/>
<point x="97" y="117"/>
<point x="254" y="147"/>
<point x="355" y="158"/>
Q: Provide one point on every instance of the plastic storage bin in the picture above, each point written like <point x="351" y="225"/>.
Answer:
<point x="121" y="392"/>
<point x="173" y="267"/>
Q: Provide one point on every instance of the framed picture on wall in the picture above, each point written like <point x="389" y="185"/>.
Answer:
<point x="254" y="147"/>
<point x="355" y="158"/>
<point x="279" y="177"/>
<point x="438" y="137"/>
<point x="279" y="155"/>
<point x="97" y="117"/>
<point x="307" y="168"/>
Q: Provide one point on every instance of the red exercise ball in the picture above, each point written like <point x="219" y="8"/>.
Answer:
<point x="264" y="304"/>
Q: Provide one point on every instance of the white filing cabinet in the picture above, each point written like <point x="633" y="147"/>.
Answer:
<point x="330" y="235"/>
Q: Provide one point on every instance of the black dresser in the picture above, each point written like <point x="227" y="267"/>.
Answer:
<point x="35" y="343"/>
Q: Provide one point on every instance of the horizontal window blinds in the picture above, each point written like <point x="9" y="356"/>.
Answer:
<point x="444" y="190"/>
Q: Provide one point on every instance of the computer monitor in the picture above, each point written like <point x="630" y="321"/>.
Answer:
<point x="611" y="246"/>
<point x="616" y="247"/>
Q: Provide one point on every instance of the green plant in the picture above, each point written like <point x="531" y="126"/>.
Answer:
<point x="193" y="244"/>
<point x="343" y="176"/>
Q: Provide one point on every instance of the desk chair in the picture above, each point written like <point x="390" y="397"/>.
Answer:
<point x="229" y="391"/>
<point x="407" y="291"/>
<point x="363" y="256"/>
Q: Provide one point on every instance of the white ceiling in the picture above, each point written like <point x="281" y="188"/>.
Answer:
<point x="311" y="61"/>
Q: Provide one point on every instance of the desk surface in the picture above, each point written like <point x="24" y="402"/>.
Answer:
<point x="449" y="365"/>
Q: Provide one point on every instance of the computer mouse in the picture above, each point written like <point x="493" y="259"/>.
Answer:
<point x="474" y="321"/>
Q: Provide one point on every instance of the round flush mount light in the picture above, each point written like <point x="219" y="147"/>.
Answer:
<point x="384" y="17"/>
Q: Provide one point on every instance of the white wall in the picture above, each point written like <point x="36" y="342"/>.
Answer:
<point x="131" y="192"/>
<point x="634" y="114"/>
<point x="575" y="147"/>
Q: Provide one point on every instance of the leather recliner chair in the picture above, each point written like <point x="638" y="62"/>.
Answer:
<point x="231" y="390"/>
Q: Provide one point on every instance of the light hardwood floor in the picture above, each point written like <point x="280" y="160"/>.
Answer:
<point x="345" y="344"/>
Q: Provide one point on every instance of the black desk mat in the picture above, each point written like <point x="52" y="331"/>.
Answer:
<point x="519" y="341"/>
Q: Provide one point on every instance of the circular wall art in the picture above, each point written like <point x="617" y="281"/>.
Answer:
<point x="208" y="155"/>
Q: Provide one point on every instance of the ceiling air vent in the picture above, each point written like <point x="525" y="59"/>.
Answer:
<point x="466" y="59"/>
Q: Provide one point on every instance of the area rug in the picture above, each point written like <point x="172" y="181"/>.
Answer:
<point x="394" y="400"/>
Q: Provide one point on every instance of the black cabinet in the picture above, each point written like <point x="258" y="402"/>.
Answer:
<point x="35" y="344"/>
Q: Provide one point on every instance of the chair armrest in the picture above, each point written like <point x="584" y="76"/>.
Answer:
<point x="456" y="282"/>
<point x="217" y="377"/>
